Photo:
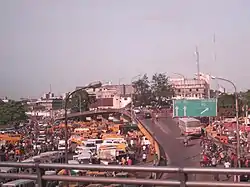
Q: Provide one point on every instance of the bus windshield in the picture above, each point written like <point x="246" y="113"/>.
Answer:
<point x="193" y="124"/>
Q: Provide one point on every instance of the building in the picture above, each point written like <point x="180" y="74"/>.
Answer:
<point x="111" y="96"/>
<point x="47" y="103"/>
<point x="190" y="88"/>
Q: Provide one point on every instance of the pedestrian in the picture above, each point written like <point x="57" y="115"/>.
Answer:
<point x="214" y="164"/>
<point x="214" y="161"/>
<point x="129" y="162"/>
<point x="144" y="157"/>
<point x="227" y="165"/>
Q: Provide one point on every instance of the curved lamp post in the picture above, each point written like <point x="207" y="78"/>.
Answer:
<point x="237" y="116"/>
<point x="91" y="85"/>
<point x="120" y="91"/>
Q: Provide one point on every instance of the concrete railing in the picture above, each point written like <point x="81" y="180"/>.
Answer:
<point x="182" y="181"/>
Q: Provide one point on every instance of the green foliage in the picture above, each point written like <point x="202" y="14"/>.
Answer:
<point x="245" y="97"/>
<point x="226" y="105"/>
<point x="80" y="101"/>
<point x="12" y="112"/>
<point x="142" y="95"/>
<point x="154" y="92"/>
<point x="226" y="100"/>
<point x="161" y="89"/>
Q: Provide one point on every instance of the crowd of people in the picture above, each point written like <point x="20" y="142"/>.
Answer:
<point x="219" y="155"/>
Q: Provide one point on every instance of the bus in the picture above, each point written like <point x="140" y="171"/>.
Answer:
<point x="190" y="126"/>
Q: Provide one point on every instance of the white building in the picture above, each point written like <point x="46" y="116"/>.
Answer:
<point x="111" y="96"/>
<point x="190" y="88"/>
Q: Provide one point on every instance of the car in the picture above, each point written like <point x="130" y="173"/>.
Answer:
<point x="147" y="115"/>
<point x="137" y="111"/>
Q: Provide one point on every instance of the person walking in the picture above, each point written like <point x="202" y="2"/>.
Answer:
<point x="227" y="164"/>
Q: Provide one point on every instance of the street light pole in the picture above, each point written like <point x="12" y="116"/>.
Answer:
<point x="237" y="117"/>
<point x="132" y="91"/>
<point x="80" y="103"/>
<point x="119" y="82"/>
<point x="91" y="85"/>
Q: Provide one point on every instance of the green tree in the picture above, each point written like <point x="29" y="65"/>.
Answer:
<point x="162" y="91"/>
<point x="80" y="101"/>
<point x="244" y="101"/>
<point x="226" y="105"/>
<point x="142" y="95"/>
<point x="12" y="112"/>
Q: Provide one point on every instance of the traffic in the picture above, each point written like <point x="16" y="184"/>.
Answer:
<point x="101" y="141"/>
<point x="218" y="143"/>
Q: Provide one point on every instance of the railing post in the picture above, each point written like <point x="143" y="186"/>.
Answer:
<point x="40" y="172"/>
<point x="183" y="178"/>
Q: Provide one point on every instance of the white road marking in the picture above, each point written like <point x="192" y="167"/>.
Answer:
<point x="165" y="130"/>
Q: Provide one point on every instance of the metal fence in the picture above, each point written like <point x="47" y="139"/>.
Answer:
<point x="182" y="173"/>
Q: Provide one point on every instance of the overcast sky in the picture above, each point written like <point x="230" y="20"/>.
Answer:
<point x="69" y="43"/>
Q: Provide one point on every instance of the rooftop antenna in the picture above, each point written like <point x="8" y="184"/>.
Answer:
<point x="50" y="89"/>
<point x="215" y="58"/>
<point x="197" y="61"/>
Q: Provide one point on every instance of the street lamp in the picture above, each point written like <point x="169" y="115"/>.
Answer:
<point x="91" y="85"/>
<point x="80" y="103"/>
<point x="132" y="103"/>
<point x="119" y="82"/>
<point x="237" y="117"/>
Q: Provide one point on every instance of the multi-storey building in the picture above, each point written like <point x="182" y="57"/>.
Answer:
<point x="190" y="88"/>
<point x="111" y="96"/>
<point x="48" y="102"/>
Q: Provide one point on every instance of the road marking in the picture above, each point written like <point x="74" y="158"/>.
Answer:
<point x="206" y="109"/>
<point x="165" y="130"/>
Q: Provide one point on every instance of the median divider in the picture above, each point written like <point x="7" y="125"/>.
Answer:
<point x="150" y="137"/>
<point x="154" y="143"/>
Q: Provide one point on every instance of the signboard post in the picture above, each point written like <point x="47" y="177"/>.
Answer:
<point x="195" y="108"/>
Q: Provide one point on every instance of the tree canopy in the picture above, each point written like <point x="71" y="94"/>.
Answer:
<point x="142" y="93"/>
<point x="226" y="103"/>
<point x="12" y="112"/>
<point x="80" y="101"/>
<point x="154" y="92"/>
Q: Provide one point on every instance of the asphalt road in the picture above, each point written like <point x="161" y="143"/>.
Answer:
<point x="167" y="133"/>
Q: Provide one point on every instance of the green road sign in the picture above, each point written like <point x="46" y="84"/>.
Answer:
<point x="195" y="108"/>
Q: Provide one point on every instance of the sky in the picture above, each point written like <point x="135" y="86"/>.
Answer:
<point x="65" y="43"/>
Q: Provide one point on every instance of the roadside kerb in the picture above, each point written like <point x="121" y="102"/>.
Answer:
<point x="148" y="135"/>
<point x="161" y="153"/>
<point x="152" y="141"/>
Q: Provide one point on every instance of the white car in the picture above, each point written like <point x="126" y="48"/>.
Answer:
<point x="137" y="111"/>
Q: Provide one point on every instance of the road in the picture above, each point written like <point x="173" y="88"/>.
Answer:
<point x="167" y="133"/>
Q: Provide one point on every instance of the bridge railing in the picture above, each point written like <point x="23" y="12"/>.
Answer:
<point x="182" y="180"/>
